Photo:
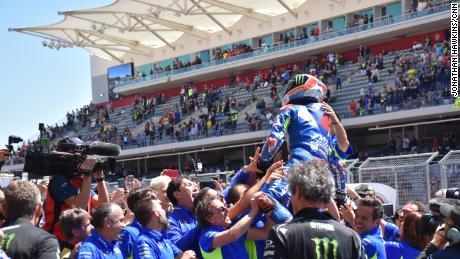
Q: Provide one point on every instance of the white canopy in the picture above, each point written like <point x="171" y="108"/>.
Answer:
<point x="138" y="26"/>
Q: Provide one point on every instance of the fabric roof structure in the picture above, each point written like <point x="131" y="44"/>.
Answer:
<point x="139" y="26"/>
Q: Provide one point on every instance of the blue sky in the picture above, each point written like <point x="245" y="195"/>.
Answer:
<point x="39" y="84"/>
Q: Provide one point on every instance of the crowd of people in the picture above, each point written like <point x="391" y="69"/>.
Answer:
<point x="420" y="78"/>
<point x="175" y="218"/>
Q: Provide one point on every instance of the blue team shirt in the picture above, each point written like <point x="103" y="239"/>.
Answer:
<point x="127" y="237"/>
<point x="391" y="232"/>
<point x="373" y="243"/>
<point x="401" y="250"/>
<point x="152" y="244"/>
<point x="183" y="229"/>
<point x="97" y="247"/>
<point x="235" y="249"/>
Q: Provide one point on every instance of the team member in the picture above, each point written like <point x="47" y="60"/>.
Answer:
<point x="23" y="239"/>
<point x="76" y="225"/>
<point x="107" y="219"/>
<point x="130" y="232"/>
<point x="151" y="243"/>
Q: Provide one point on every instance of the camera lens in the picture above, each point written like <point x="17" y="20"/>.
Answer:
<point x="453" y="193"/>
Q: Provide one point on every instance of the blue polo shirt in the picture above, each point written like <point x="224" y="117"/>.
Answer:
<point x="183" y="229"/>
<point x="373" y="243"/>
<point x="401" y="250"/>
<point x="127" y="237"/>
<point x="97" y="247"/>
<point x="152" y="244"/>
<point x="236" y="249"/>
<point x="391" y="232"/>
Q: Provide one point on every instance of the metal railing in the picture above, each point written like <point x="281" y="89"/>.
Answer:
<point x="409" y="175"/>
<point x="450" y="170"/>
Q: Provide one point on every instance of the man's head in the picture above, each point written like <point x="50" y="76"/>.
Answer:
<point x="150" y="214"/>
<point x="160" y="185"/>
<point x="368" y="214"/>
<point x="311" y="185"/>
<point x="212" y="212"/>
<point x="76" y="224"/>
<point x="410" y="207"/>
<point x="181" y="191"/>
<point x="207" y="193"/>
<point x="138" y="194"/>
<point x="22" y="199"/>
<point x="108" y="220"/>
<point x="236" y="192"/>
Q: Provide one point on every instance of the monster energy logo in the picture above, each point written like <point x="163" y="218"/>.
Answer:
<point x="299" y="79"/>
<point x="325" y="243"/>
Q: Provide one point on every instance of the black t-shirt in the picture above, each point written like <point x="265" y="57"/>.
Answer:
<point x="22" y="240"/>
<point x="313" y="234"/>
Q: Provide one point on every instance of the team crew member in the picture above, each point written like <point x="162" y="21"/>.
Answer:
<point x="151" y="243"/>
<point x="107" y="219"/>
<point x="129" y="233"/>
<point x="183" y="230"/>
<point x="218" y="239"/>
<point x="23" y="240"/>
<point x="367" y="224"/>
<point x="312" y="233"/>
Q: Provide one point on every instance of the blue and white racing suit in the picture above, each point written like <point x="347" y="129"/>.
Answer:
<point x="307" y="129"/>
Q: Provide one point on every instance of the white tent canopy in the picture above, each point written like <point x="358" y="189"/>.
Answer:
<point x="139" y="26"/>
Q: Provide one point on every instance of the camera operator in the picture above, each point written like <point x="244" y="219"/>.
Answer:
<point x="65" y="191"/>
<point x="4" y="156"/>
<point x="446" y="241"/>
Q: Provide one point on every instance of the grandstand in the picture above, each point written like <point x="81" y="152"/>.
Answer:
<point x="225" y="50"/>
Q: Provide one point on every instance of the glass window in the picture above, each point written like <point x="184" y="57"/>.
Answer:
<point x="394" y="10"/>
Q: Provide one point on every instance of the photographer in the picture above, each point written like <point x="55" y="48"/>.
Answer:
<point x="446" y="241"/>
<point x="73" y="191"/>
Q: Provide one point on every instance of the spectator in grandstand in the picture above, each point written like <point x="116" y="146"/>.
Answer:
<point x="366" y="221"/>
<point x="218" y="237"/>
<point x="76" y="225"/>
<point x="312" y="187"/>
<point x="129" y="233"/>
<point x="22" y="239"/>
<point x="159" y="185"/>
<point x="151" y="243"/>
<point x="65" y="192"/>
<point x="352" y="108"/>
<point x="183" y="231"/>
<point x="338" y="82"/>
<point x="415" y="234"/>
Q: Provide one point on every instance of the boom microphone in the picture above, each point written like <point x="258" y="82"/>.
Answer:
<point x="104" y="149"/>
<point x="94" y="148"/>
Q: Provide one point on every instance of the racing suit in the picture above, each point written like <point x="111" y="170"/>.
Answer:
<point x="307" y="126"/>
